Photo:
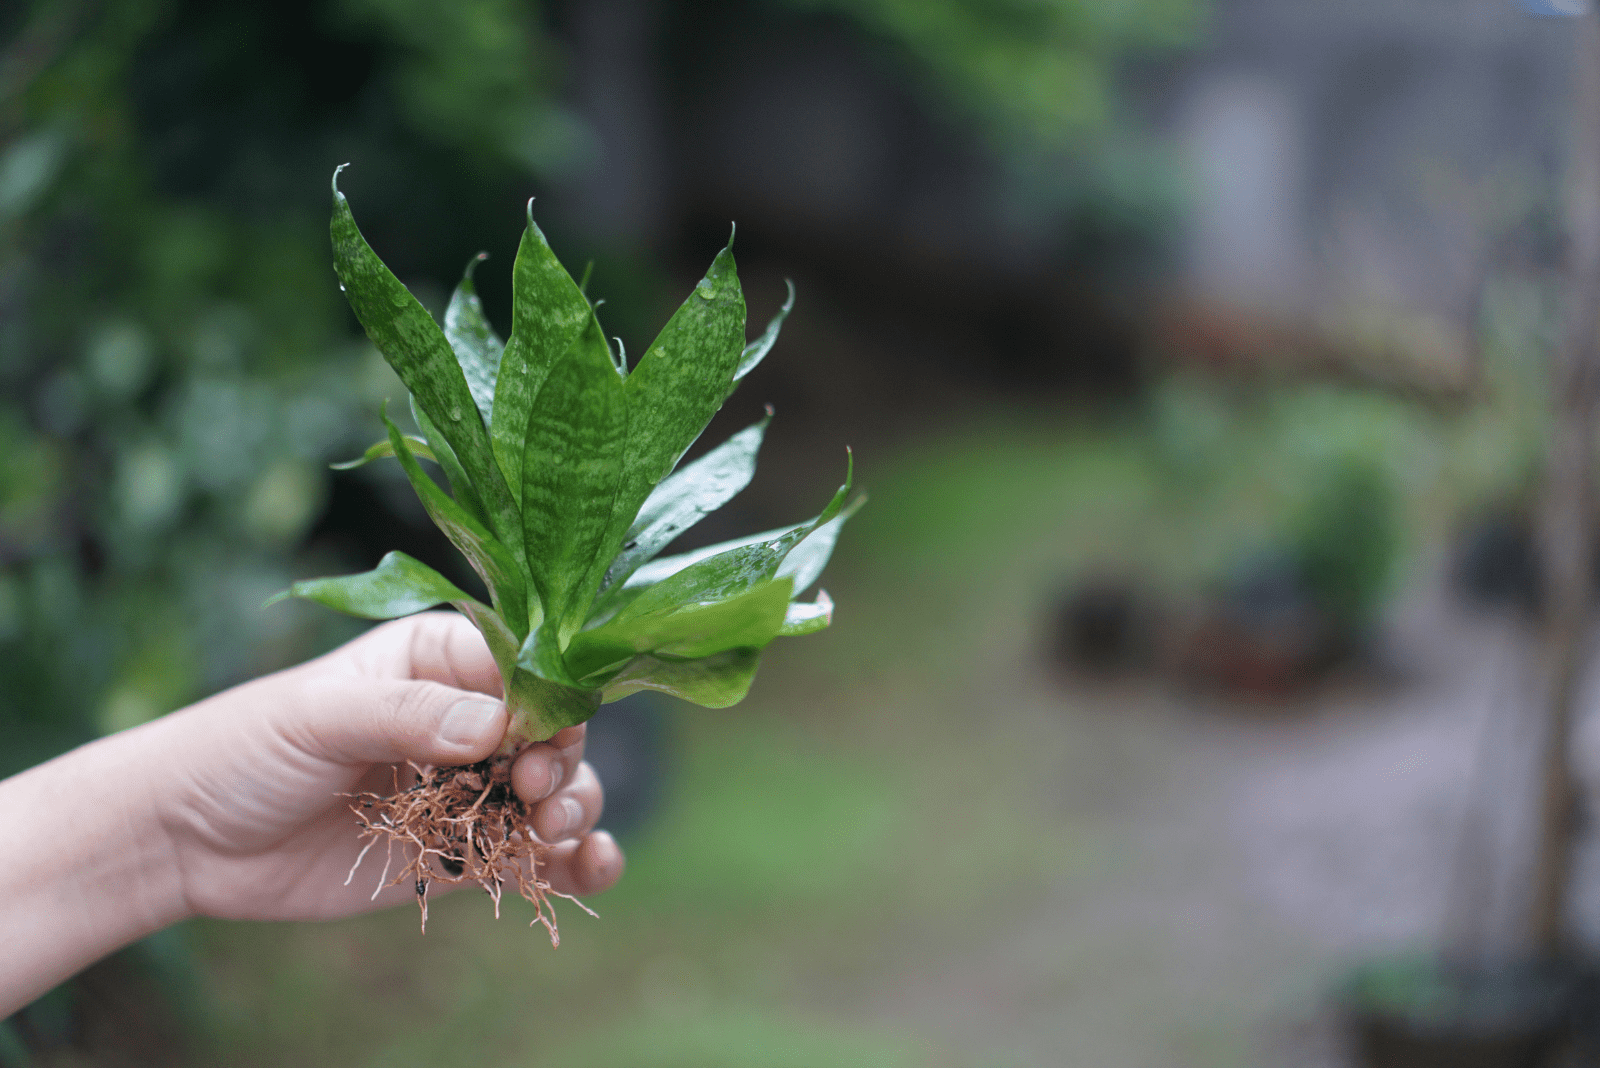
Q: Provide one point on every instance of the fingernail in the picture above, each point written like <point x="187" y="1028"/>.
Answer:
<point x="469" y="722"/>
<point x="553" y="770"/>
<point x="573" y="812"/>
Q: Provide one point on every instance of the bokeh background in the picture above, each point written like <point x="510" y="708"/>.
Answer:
<point x="1194" y="354"/>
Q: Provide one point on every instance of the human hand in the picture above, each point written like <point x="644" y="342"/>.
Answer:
<point x="235" y="807"/>
<point x="254" y="779"/>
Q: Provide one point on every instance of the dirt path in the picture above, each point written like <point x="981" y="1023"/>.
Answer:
<point x="1251" y="854"/>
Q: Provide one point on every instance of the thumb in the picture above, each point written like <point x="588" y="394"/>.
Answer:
<point x="385" y="721"/>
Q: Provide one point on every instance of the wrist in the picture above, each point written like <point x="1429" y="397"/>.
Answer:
<point x="92" y="868"/>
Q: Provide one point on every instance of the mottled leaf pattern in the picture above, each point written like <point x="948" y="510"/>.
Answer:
<point x="561" y="466"/>
<point x="751" y="618"/>
<point x="547" y="313"/>
<point x="686" y="496"/>
<point x="477" y="348"/>
<point x="488" y="557"/>
<point x="678" y="385"/>
<point x="461" y="486"/>
<point x="572" y="464"/>
<point x="416" y="348"/>
<point x="730" y="573"/>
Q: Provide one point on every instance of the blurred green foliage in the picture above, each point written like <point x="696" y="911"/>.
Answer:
<point x="1035" y="70"/>
<point x="1345" y="538"/>
<point x="177" y="367"/>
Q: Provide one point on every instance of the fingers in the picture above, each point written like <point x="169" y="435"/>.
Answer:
<point x="441" y="647"/>
<point x="541" y="769"/>
<point x="588" y="866"/>
<point x="574" y="809"/>
<point x="565" y="792"/>
<point x="368" y="721"/>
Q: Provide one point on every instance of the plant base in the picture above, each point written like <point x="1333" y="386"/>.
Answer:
<point x="459" y="825"/>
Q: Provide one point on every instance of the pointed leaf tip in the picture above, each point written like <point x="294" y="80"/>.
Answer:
<point x="733" y="230"/>
<point x="281" y="595"/>
<point x="335" y="182"/>
<point x="472" y="265"/>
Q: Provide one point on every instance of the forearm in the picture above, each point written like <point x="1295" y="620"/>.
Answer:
<point x="88" y="868"/>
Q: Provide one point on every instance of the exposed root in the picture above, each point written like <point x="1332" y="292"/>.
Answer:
<point x="459" y="825"/>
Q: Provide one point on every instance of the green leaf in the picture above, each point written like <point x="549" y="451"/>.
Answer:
<point x="476" y="346"/>
<point x="488" y="557"/>
<point x="806" y="560"/>
<point x="678" y="385"/>
<point x="538" y="707"/>
<point x="618" y="596"/>
<point x="686" y="496"/>
<point x="572" y="465"/>
<point x="547" y="313"/>
<point x="757" y="350"/>
<point x="379" y="449"/>
<point x="667" y="566"/>
<point x="460" y="486"/>
<point x="713" y="682"/>
<point x="803" y="618"/>
<point x="398" y="586"/>
<point x="419" y="353"/>
<point x="748" y="620"/>
<point x="729" y="573"/>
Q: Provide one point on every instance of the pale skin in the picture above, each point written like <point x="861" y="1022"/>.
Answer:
<point x="232" y="807"/>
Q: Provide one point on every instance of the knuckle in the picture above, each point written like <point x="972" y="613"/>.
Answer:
<point x="408" y="712"/>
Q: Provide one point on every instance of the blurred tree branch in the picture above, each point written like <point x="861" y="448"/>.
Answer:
<point x="1568" y="533"/>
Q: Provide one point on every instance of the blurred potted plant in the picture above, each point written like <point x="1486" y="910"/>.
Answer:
<point x="1288" y="611"/>
<point x="1505" y="1010"/>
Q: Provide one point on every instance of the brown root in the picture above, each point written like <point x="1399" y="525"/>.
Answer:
<point x="459" y="825"/>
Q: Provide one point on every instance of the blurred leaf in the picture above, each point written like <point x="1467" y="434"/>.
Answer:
<point x="757" y="350"/>
<point x="479" y="76"/>
<point x="398" y="586"/>
<point x="803" y="618"/>
<point x="1044" y="69"/>
<point x="28" y="165"/>
<point x="547" y="314"/>
<point x="686" y="496"/>
<point x="283" y="502"/>
<point x="416" y="348"/>
<point x="474" y="341"/>
<point x="380" y="449"/>
<point x="713" y="682"/>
